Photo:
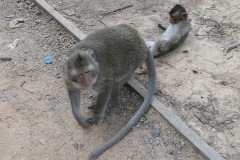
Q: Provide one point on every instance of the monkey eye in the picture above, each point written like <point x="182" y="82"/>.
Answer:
<point x="81" y="75"/>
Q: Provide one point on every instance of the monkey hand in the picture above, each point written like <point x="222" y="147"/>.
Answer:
<point x="84" y="123"/>
<point x="164" y="46"/>
<point x="97" y="119"/>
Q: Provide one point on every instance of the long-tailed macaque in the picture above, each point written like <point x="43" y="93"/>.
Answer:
<point x="175" y="35"/>
<point x="105" y="60"/>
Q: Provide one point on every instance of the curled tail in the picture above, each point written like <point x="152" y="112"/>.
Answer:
<point x="138" y="115"/>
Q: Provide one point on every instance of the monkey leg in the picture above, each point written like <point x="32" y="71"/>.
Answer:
<point x="159" y="48"/>
<point x="114" y="95"/>
<point x="112" y="101"/>
<point x="101" y="103"/>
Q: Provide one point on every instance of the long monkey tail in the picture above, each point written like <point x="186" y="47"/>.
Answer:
<point x="138" y="115"/>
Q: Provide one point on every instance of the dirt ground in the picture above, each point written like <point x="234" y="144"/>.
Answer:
<point x="196" y="81"/>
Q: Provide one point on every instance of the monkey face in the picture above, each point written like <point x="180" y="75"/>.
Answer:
<point x="85" y="79"/>
<point x="82" y="69"/>
<point x="174" y="18"/>
<point x="177" y="14"/>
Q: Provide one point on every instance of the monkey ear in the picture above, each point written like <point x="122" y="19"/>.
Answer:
<point x="91" y="53"/>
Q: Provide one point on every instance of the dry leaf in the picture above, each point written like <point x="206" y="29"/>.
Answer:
<point x="12" y="45"/>
<point x="17" y="22"/>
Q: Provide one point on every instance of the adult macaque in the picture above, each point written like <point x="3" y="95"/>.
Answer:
<point x="175" y="34"/>
<point x="105" y="60"/>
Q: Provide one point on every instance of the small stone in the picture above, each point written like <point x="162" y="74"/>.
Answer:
<point x="39" y="13"/>
<point x="75" y="145"/>
<point x="224" y="156"/>
<point x="194" y="71"/>
<point x="156" y="132"/>
<point x="42" y="141"/>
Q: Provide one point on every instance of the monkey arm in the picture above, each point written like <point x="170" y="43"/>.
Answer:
<point x="74" y="96"/>
<point x="102" y="100"/>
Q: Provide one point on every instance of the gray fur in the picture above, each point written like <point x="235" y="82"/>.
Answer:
<point x="118" y="52"/>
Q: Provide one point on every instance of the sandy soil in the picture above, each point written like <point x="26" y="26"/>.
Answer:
<point x="200" y="85"/>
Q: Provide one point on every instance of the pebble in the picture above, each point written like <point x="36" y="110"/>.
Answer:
<point x="75" y="145"/>
<point x="42" y="141"/>
<point x="156" y="132"/>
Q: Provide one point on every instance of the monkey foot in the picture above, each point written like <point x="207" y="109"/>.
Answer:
<point x="92" y="107"/>
<point x="91" y="121"/>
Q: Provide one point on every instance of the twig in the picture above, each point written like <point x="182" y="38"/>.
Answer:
<point x="5" y="58"/>
<point x="167" y="64"/>
<point x="228" y="130"/>
<point x="70" y="17"/>
<point x="214" y="108"/>
<point x="133" y="24"/>
<point x="4" y="83"/>
<point x="22" y="83"/>
<point x="25" y="88"/>
<point x="210" y="98"/>
<point x="217" y="22"/>
<point x="200" y="25"/>
<point x="161" y="26"/>
<point x="116" y="10"/>
<point x="203" y="35"/>
<point x="61" y="146"/>
<point x="229" y="141"/>
<point x="102" y="23"/>
<point x="201" y="119"/>
<point x="230" y="57"/>
<point x="230" y="47"/>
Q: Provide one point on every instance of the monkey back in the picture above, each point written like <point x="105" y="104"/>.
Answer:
<point x="120" y="45"/>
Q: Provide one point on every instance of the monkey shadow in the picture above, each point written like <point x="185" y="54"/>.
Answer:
<point x="116" y="116"/>
<point x="128" y="103"/>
